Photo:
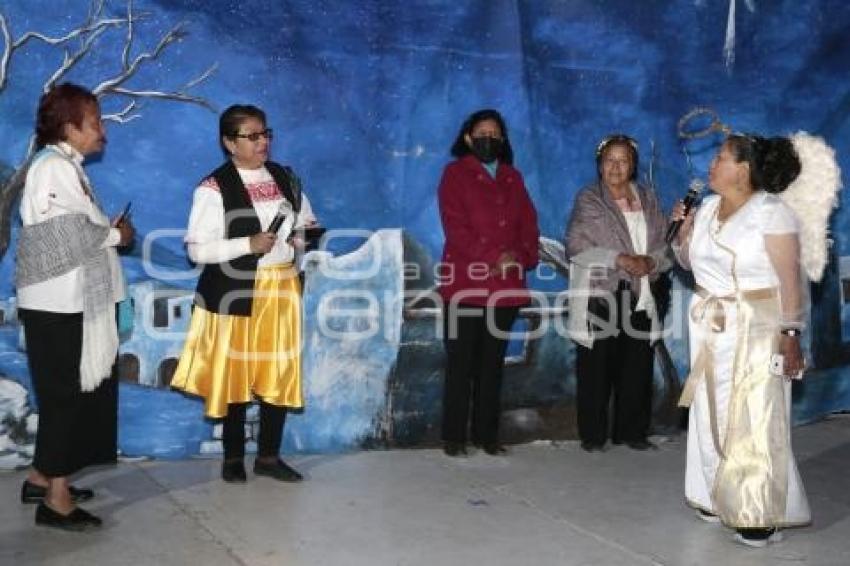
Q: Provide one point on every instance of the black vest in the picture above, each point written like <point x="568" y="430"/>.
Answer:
<point x="226" y="288"/>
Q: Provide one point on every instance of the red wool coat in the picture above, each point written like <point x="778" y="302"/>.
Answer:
<point x="483" y="217"/>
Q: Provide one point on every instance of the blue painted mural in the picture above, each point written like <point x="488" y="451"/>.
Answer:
<point x="366" y="98"/>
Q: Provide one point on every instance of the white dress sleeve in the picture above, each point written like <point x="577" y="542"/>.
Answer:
<point x="781" y="241"/>
<point x="306" y="216"/>
<point x="784" y="253"/>
<point x="777" y="217"/>
<point x="205" y="236"/>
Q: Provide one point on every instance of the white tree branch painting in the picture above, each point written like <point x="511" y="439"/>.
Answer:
<point x="75" y="45"/>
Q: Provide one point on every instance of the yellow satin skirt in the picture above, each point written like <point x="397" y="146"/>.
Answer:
<point x="231" y="359"/>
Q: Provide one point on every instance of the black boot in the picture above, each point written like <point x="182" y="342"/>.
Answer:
<point x="494" y="449"/>
<point x="454" y="449"/>
<point x="233" y="471"/>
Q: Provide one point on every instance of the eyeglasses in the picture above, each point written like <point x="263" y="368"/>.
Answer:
<point x="255" y="136"/>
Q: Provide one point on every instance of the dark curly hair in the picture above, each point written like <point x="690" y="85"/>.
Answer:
<point x="774" y="163"/>
<point x="63" y="104"/>
<point x="459" y="147"/>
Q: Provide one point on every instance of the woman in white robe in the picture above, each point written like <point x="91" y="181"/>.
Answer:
<point x="742" y="246"/>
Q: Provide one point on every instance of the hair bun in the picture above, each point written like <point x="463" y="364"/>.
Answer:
<point x="778" y="163"/>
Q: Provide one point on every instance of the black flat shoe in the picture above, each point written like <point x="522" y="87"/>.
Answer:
<point x="278" y="470"/>
<point x="32" y="493"/>
<point x="591" y="446"/>
<point x="233" y="471"/>
<point x="77" y="520"/>
<point x="454" y="449"/>
<point x="758" y="538"/>
<point x="494" y="449"/>
<point x="641" y="445"/>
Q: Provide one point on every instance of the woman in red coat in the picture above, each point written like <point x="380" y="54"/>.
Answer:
<point x="491" y="241"/>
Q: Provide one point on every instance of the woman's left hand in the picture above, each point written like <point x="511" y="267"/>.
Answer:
<point x="506" y="262"/>
<point x="126" y="229"/>
<point x="645" y="265"/>
<point x="789" y="347"/>
<point x="297" y="242"/>
<point x="635" y="265"/>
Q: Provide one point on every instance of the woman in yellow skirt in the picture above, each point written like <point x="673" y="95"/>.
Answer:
<point x="244" y="339"/>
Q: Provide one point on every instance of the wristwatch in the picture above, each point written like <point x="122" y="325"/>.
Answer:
<point x="791" y="331"/>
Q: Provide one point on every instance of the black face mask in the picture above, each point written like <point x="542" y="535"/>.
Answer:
<point x="487" y="149"/>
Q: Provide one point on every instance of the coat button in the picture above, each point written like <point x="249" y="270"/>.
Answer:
<point x="502" y="223"/>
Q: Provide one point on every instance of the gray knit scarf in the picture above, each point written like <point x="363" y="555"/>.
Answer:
<point x="57" y="246"/>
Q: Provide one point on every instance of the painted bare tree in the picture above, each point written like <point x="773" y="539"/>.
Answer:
<point x="76" y="45"/>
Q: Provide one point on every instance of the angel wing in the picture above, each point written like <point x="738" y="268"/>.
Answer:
<point x="812" y="196"/>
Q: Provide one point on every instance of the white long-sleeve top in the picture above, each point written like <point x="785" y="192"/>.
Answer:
<point x="636" y="223"/>
<point x="206" y="240"/>
<point x="56" y="184"/>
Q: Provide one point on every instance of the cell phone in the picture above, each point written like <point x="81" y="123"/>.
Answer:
<point x="777" y="364"/>
<point x="124" y="213"/>
<point x="313" y="233"/>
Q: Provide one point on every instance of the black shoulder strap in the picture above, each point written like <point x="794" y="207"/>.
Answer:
<point x="288" y="182"/>
<point x="233" y="193"/>
<point x="234" y="197"/>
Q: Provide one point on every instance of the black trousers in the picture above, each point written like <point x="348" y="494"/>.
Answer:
<point x="475" y="359"/>
<point x="621" y="365"/>
<point x="75" y="428"/>
<point x="272" y="419"/>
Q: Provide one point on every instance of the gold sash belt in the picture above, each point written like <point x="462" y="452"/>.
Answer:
<point x="711" y="311"/>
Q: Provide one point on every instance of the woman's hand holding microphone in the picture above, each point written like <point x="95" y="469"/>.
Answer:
<point x="686" y="216"/>
<point x="263" y="242"/>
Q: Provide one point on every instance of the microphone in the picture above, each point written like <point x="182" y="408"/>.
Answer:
<point x="694" y="189"/>
<point x="277" y="222"/>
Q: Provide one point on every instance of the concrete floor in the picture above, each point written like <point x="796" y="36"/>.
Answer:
<point x="542" y="504"/>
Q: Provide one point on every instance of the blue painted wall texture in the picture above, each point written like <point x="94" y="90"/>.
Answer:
<point x="365" y="99"/>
